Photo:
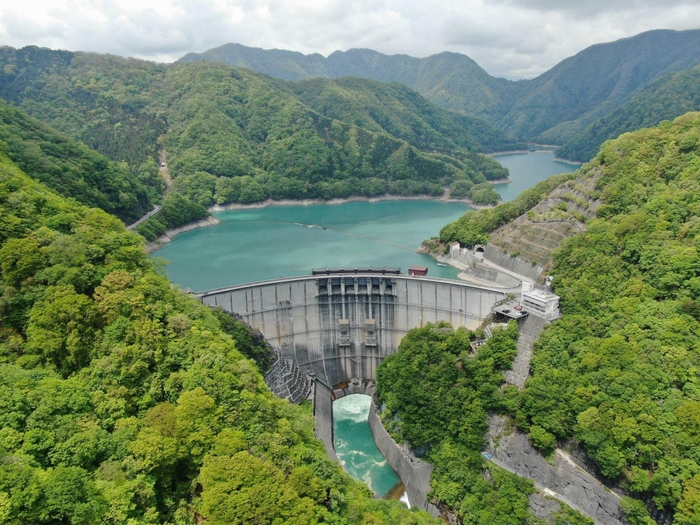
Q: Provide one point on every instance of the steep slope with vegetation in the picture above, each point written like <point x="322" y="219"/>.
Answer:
<point x="450" y="80"/>
<point x="561" y="102"/>
<point x="626" y="354"/>
<point x="70" y="168"/>
<point x="123" y="400"/>
<point x="437" y="395"/>
<point x="664" y="99"/>
<point x="234" y="136"/>
<point x="401" y="112"/>
<point x="549" y="109"/>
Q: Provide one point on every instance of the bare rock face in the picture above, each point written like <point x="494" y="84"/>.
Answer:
<point x="543" y="507"/>
<point x="561" y="478"/>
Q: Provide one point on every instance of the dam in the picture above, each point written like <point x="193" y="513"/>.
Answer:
<point x="331" y="329"/>
<point x="338" y="325"/>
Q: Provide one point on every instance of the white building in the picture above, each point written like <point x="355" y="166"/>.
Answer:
<point x="540" y="302"/>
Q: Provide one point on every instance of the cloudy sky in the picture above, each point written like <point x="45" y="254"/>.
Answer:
<point x="510" y="38"/>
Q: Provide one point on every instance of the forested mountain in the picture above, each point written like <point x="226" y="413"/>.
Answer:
<point x="450" y="80"/>
<point x="626" y="353"/>
<point x="70" y="168"/>
<point x="232" y="135"/>
<point x="561" y="102"/>
<point x="549" y="109"/>
<point x="401" y="112"/>
<point x="124" y="400"/>
<point x="664" y="99"/>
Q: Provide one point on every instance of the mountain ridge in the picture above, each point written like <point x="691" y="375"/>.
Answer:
<point x="551" y="108"/>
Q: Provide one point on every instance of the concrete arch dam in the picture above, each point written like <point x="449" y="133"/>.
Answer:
<point x="335" y="330"/>
<point x="339" y="327"/>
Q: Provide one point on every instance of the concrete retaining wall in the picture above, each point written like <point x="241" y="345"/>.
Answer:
<point x="492" y="275"/>
<point x="414" y="473"/>
<point x="513" y="264"/>
<point x="323" y="416"/>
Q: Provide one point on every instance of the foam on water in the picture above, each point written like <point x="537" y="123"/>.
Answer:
<point x="355" y="447"/>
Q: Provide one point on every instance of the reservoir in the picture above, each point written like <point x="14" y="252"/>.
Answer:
<point x="256" y="244"/>
<point x="265" y="243"/>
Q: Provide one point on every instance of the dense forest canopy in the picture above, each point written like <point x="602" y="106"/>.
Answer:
<point x="72" y="169"/>
<point x="233" y="136"/>
<point x="626" y="354"/>
<point x="437" y="395"/>
<point x="670" y="96"/>
<point x="124" y="400"/>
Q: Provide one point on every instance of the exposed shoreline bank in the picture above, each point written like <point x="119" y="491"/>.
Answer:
<point x="211" y="220"/>
<point x="169" y="234"/>
<point x="567" y="161"/>
<point x="317" y="202"/>
<point x="520" y="151"/>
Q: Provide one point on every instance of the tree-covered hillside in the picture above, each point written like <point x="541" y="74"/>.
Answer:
<point x="664" y="99"/>
<point x="72" y="169"/>
<point x="401" y="112"/>
<point x="234" y="136"/>
<point x="560" y="103"/>
<point x="450" y="80"/>
<point x="125" y="401"/>
<point x="619" y="372"/>
<point x="102" y="101"/>
<point x="626" y="354"/>
<point x="549" y="109"/>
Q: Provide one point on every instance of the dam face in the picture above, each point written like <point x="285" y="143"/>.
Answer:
<point x="332" y="331"/>
<point x="339" y="327"/>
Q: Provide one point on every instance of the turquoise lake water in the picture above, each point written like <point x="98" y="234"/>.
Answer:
<point x="265" y="243"/>
<point x="355" y="447"/>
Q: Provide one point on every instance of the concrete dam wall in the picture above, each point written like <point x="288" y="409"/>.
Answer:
<point x="341" y="327"/>
<point x="338" y="328"/>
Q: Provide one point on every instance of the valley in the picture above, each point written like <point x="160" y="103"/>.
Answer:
<point x="127" y="400"/>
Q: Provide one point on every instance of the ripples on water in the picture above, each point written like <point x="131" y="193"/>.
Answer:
<point x="355" y="447"/>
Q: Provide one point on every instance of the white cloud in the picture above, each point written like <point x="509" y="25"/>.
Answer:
<point x="512" y="38"/>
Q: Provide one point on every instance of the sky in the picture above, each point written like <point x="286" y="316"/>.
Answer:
<point x="508" y="38"/>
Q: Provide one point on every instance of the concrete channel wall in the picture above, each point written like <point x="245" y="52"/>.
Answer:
<point x="339" y="327"/>
<point x="414" y="473"/>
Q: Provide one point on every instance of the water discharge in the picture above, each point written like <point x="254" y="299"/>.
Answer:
<point x="355" y="447"/>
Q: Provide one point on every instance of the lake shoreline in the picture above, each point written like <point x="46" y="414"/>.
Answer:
<point x="381" y="198"/>
<point x="567" y="161"/>
<point x="168" y="236"/>
<point x="211" y="220"/>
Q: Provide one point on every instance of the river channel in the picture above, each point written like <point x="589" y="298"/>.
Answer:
<point x="265" y="243"/>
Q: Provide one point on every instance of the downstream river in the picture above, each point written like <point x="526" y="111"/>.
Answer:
<point x="355" y="447"/>
<point x="283" y="241"/>
<point x="257" y="244"/>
